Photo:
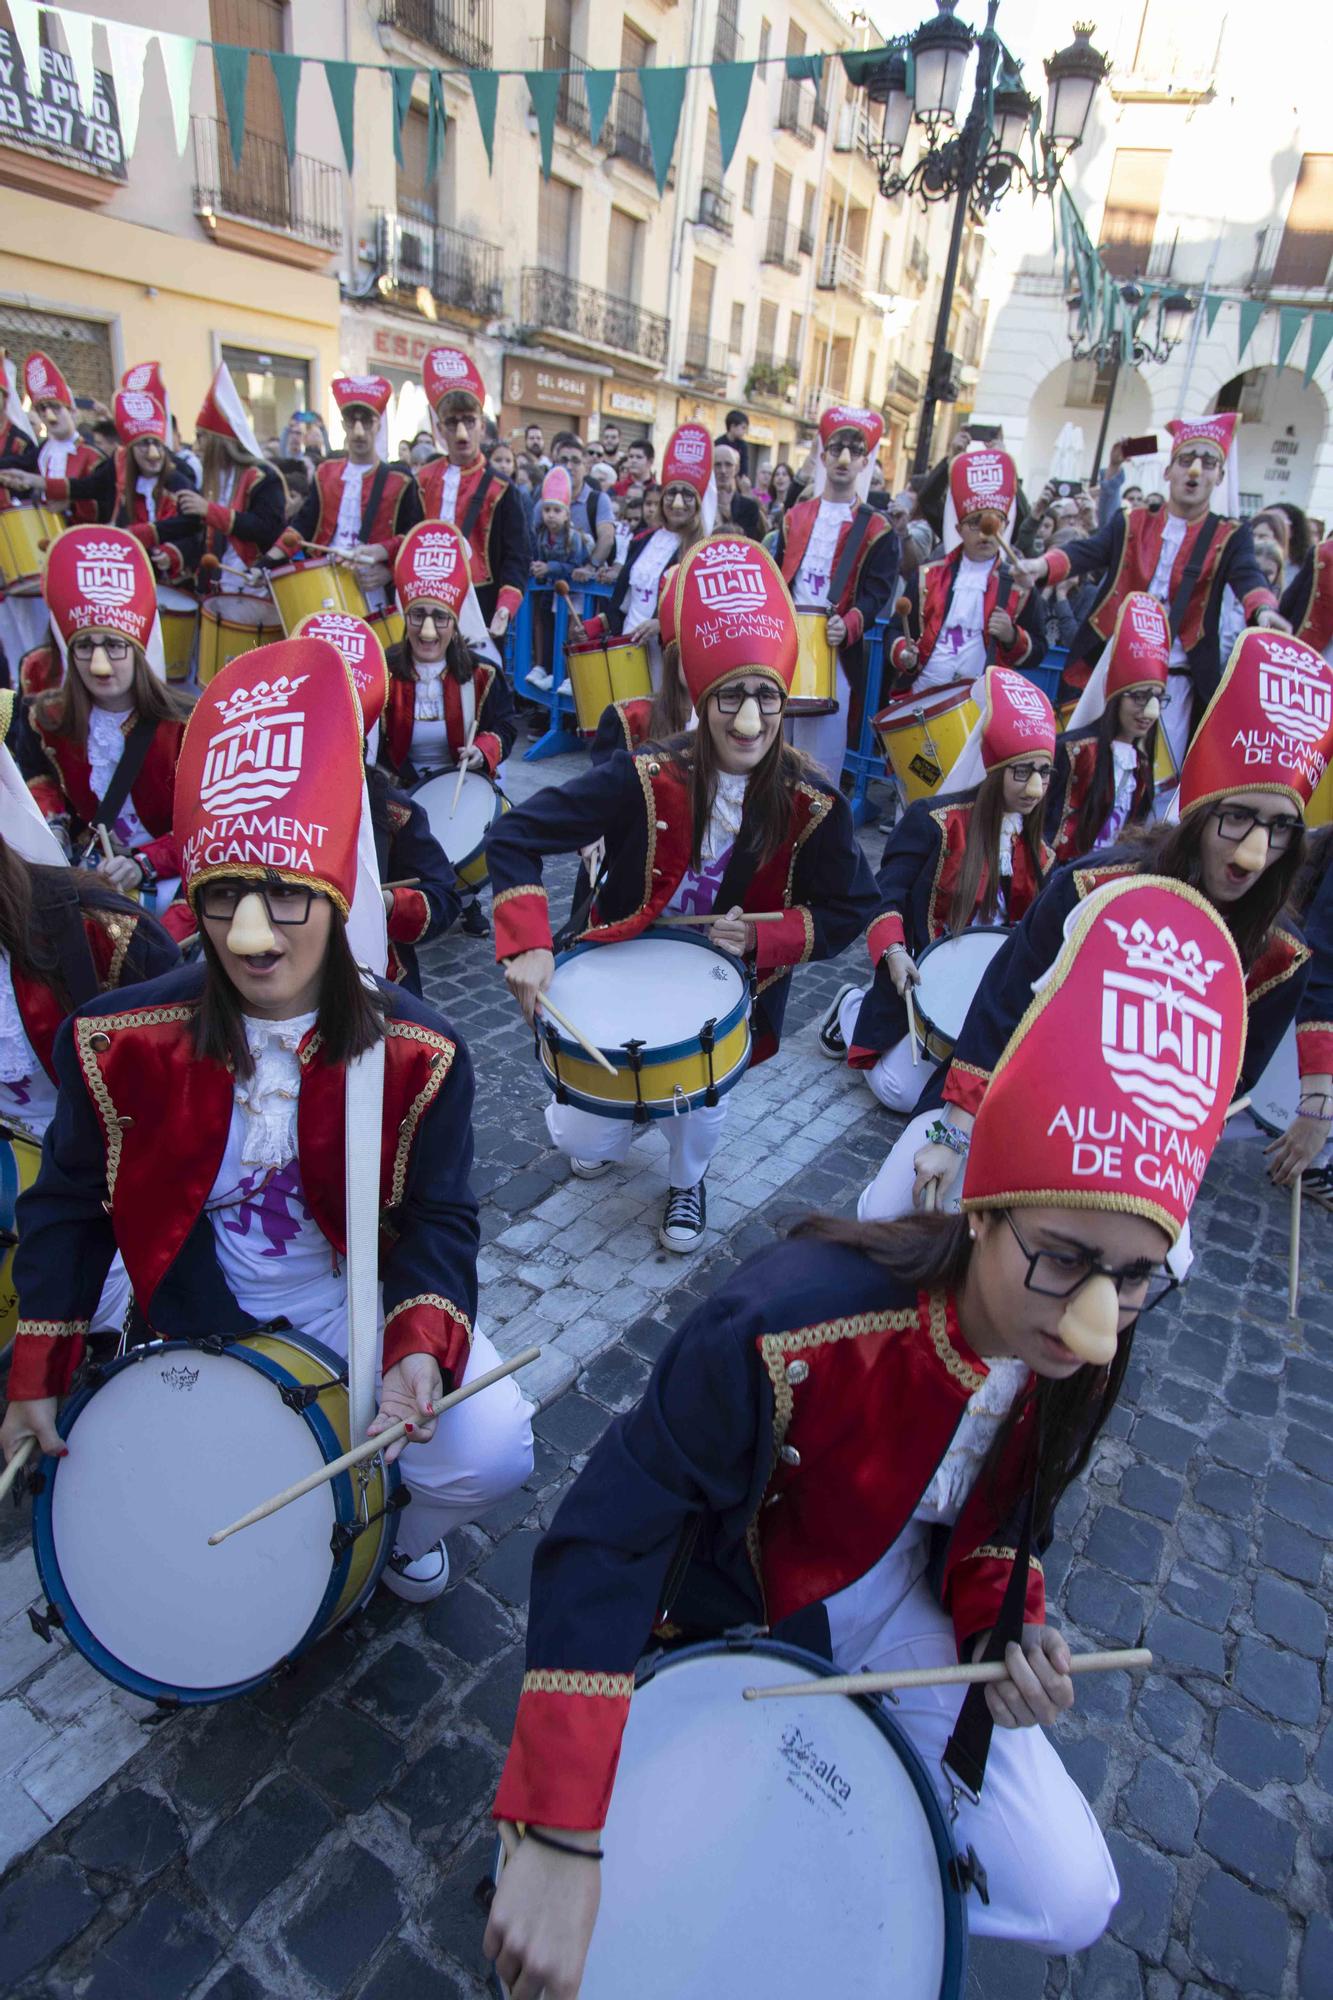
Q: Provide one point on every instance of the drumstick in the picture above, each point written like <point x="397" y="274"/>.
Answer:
<point x="23" y="1451"/>
<point x="990" y="521"/>
<point x="462" y="767"/>
<point x="1294" y="1249"/>
<point x="544" y="1000"/>
<point x="746" y="917"/>
<point x="911" y="1023"/>
<point x="407" y="882"/>
<point x="370" y="1447"/>
<point x="577" y="629"/>
<point x="104" y="841"/>
<point x="1132" y="1659"/>
<point x="1234" y="1110"/>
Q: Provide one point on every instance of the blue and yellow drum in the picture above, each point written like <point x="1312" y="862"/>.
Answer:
<point x="20" y="1157"/>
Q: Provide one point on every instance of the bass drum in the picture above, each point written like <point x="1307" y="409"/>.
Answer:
<point x="772" y="1848"/>
<point x="952" y="970"/>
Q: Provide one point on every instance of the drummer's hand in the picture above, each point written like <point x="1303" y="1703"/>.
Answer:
<point x="1298" y="1148"/>
<point x="471" y="759"/>
<point x="1001" y="627"/>
<point x="388" y="901"/>
<point x="902" y="968"/>
<point x="36" y="1418"/>
<point x="161" y="560"/>
<point x="527" y="975"/>
<point x="837" y="630"/>
<point x="732" y="933"/>
<point x="542" y="1918"/>
<point x="582" y="574"/>
<point x="1033" y="572"/>
<point x="123" y="872"/>
<point x="190" y="502"/>
<point x="22" y="482"/>
<point x="411" y="1389"/>
<point x="641" y="634"/>
<point x="909" y="659"/>
<point x="500" y="623"/>
<point x="367" y="555"/>
<point x="934" y="1163"/>
<point x="1038" y="1688"/>
<point x="1272" y="621"/>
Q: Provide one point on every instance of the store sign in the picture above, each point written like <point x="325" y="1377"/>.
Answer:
<point x="536" y="385"/>
<point x="54" y="118"/>
<point x="618" y="402"/>
<point x="408" y="350"/>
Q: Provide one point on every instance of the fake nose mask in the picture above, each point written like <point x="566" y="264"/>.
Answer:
<point x="1090" y="1321"/>
<point x="99" y="667"/>
<point x="749" y="723"/>
<point x="251" y="934"/>
<point x="1153" y="712"/>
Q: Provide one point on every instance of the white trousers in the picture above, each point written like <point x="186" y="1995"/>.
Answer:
<point x="895" y="1079"/>
<point x="692" y="1137"/>
<point x="889" y="1195"/>
<point x="1051" y="1880"/>
<point x="823" y="738"/>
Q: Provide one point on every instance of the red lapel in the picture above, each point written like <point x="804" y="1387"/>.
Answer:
<point x="669" y="835"/>
<point x="934" y="601"/>
<point x="329" y="480"/>
<point x="399" y="719"/>
<point x="796" y="530"/>
<point x="41" y="1014"/>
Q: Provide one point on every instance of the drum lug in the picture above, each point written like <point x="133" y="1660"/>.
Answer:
<point x="740" y="1638"/>
<point x="44" y="1623"/>
<point x="212" y="1343"/>
<point x="634" y="1052"/>
<point x="300" y="1395"/>
<point x="707" y="1042"/>
<point x="966" y="1872"/>
<point x="345" y="1533"/>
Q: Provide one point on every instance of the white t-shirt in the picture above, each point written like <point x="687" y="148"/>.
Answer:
<point x="146" y="487"/>
<point x="106" y="745"/>
<point x="960" y="649"/>
<point x="347" y="534"/>
<point x="695" y="894"/>
<point x="816" y="572"/>
<point x="449" y="492"/>
<point x="1173" y="534"/>
<point x="55" y="455"/>
<point x="650" y="564"/>
<point x="27" y="1094"/>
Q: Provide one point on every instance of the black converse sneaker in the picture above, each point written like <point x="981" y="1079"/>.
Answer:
<point x="418" y="1578"/>
<point x="683" y="1222"/>
<point x="831" y="1042"/>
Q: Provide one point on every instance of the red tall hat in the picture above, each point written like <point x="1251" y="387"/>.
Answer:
<point x="1114" y="1086"/>
<point x="43" y="381"/>
<point x="982" y="479"/>
<point x="1017" y="720"/>
<point x="139" y="415"/>
<point x="365" y="392"/>
<point x="446" y="370"/>
<point x="1269" y="727"/>
<point x="434" y="562"/>
<point x="223" y="413"/>
<point x="100" y="580"/>
<point x="360" y="646"/>
<point x="842" y="417"/>
<point x="148" y="379"/>
<point x="270" y="773"/>
<point x="1140" y="646"/>
<point x="732" y="614"/>
<point x="688" y="460"/>
<point x="1219" y="430"/>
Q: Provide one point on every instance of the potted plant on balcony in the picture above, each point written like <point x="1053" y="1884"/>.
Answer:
<point x="775" y="379"/>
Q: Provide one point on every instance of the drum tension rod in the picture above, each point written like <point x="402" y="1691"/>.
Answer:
<point x="300" y="1395"/>
<point x="966" y="1872"/>
<point x="634" y="1051"/>
<point x="707" y="1038"/>
<point x="553" y="1049"/>
<point x="43" y="1624"/>
<point x="346" y="1532"/>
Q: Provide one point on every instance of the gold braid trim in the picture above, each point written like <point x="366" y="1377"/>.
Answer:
<point x="52" y="1329"/>
<point x="555" y="1680"/>
<point x="409" y="1031"/>
<point x="86" y="1026"/>
<point x="970" y="1069"/>
<point x="120" y="929"/>
<point x="398" y="816"/>
<point x="523" y="889"/>
<point x="993" y="1552"/>
<point x="446" y="1306"/>
<point x="1300" y="952"/>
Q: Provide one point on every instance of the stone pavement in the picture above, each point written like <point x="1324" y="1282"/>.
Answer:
<point x="324" y="1837"/>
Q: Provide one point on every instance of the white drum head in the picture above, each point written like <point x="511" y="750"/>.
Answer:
<point x="951" y="971"/>
<point x="459" y="833"/>
<point x="657" y="990"/>
<point x="1275" y="1097"/>
<point x="762" y="1848"/>
<point x="163" y="1454"/>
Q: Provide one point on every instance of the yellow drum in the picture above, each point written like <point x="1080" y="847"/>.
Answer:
<point x="814" y="690"/>
<point x="922" y="735"/>
<point x="1163" y="764"/>
<point x="387" y="626"/>
<point x="179" y="616"/>
<point x="20" y="1157"/>
<point x="222" y="639"/>
<point x="1319" y="812"/>
<point x="26" y="533"/>
<point x="302" y="588"/>
<point x="601" y="672"/>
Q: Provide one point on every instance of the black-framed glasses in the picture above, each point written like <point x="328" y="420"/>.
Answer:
<point x="116" y="650"/>
<point x="854" y="443"/>
<point x="1140" y="697"/>
<point x="285" y="902"/>
<point x="417" y="616"/>
<point x="1207" y="461"/>
<point x="1235" y="823"/>
<point x="767" y="698"/>
<point x="1058" y="1274"/>
<point x="1020" y="773"/>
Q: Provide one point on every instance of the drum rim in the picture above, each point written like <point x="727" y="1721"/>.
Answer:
<point x="1274" y="1131"/>
<point x="991" y="930"/>
<point x="897" y="714"/>
<point x="345" y="1515"/>
<point x="667" y="1052"/>
<point x="502" y="806"/>
<point x="953" y="1973"/>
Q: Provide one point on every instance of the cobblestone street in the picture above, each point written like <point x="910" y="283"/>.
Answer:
<point x="324" y="1837"/>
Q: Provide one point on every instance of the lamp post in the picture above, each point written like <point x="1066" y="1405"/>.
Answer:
<point x="977" y="164"/>
<point x="1174" y="311"/>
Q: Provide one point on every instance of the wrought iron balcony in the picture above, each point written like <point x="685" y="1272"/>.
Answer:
<point x="716" y="208"/>
<point x="627" y="127"/>
<point x="821" y="112"/>
<point x="571" y="104"/>
<point x="302" y="199"/>
<point x="903" y="386"/>
<point x="1290" y="265"/>
<point x="727" y="33"/>
<point x="458" y="270"/>
<point x="782" y="245"/>
<point x="841" y="270"/>
<point x="705" y="361"/>
<point x="796" y="111"/>
<point x="551" y="302"/>
<point x="805" y="241"/>
<point x="459" y="28"/>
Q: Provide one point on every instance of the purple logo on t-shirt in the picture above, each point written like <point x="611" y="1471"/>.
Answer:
<point x="697" y="894"/>
<point x="271" y="1199"/>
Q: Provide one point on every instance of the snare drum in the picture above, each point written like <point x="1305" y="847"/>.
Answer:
<point x="462" y="832"/>
<point x="1276" y="1097"/>
<point x="222" y="639"/>
<point x="952" y="970"/>
<point x="179" y="616"/>
<point x="387" y="626"/>
<point x="121" y="1538"/>
<point x="20" y="1157"/>
<point x="784" y="1848"/>
<point x="922" y="735"/>
<point x="601" y="672"/>
<point x="670" y="1012"/>
<point x="814" y="688"/>
<point x="26" y="533"/>
<point x="299" y="589"/>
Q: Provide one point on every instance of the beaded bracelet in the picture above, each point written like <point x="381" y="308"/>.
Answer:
<point x="941" y="1134"/>
<point x="563" y="1846"/>
<point x="1322" y="1097"/>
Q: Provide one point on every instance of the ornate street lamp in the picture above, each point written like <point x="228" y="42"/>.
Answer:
<point x="1073" y="75"/>
<point x="1108" y="347"/>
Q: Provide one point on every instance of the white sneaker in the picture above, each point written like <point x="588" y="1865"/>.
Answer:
<point x="539" y="677"/>
<point x="418" y="1578"/>
<point x="589" y="1170"/>
<point x="684" y="1219"/>
<point x="831" y="1042"/>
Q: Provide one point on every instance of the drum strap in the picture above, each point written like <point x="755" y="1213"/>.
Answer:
<point x="1180" y="603"/>
<point x="1004" y="581"/>
<point x="131" y="762"/>
<point x="61" y="911"/>
<point x="473" y="511"/>
<point x="364" y="1116"/>
<point x="858" y="529"/>
<point x="372" y="506"/>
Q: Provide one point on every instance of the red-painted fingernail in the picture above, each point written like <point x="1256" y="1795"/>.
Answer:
<point x="63" y="1451"/>
<point x="430" y="1409"/>
<point x="408" y="1427"/>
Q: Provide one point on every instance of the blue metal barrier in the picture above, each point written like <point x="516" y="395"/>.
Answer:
<point x="1047" y="675"/>
<point x="866" y="761"/>
<point x="558" y="699"/>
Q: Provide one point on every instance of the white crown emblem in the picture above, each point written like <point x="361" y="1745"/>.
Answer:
<point x="1149" y="621"/>
<point x="435" y="556"/>
<point x="342" y="630"/>
<point x="139" y="407"/>
<point x="448" y="361"/>
<point x="985" y="471"/>
<point x="265" y="697"/>
<point x="37" y="375"/>
<point x="1163" y="1046"/>
<point x="140" y="376"/>
<point x="729" y="578"/>
<point x="104" y="573"/>
<point x="255" y="761"/>
<point x="690" y="448"/>
<point x="1295" y="692"/>
<point x="1147" y="950"/>
<point x="1025" y="697"/>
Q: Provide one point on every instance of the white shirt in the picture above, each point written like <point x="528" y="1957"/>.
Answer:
<point x="106" y="746"/>
<point x="449" y="492"/>
<point x="695" y="895"/>
<point x="1173" y="534"/>
<point x="27" y="1094"/>
<point x="1125" y="759"/>
<point x="55" y="455"/>
<point x="960" y="649"/>
<point x="146" y="487"/>
<point x="816" y="571"/>
<point x="649" y="566"/>
<point x="347" y="534"/>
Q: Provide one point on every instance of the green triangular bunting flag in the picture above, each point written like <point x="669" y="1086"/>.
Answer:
<point x="435" y="126"/>
<point x="1212" y="306"/>
<point x="1290" y="320"/>
<point x="287" y="76"/>
<point x="1251" y="312"/>
<point x="485" y="84"/>
<point x="599" y="84"/>
<point x="861" y="64"/>
<point x="731" y="94"/>
<point x="544" y="90"/>
<point x="233" y="68"/>
<point x="663" y="94"/>
<point x="1321" y="332"/>
<point x="341" y="78"/>
<point x="805" y="69"/>
<point x="403" y="79"/>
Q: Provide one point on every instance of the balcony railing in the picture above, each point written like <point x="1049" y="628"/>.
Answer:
<point x="571" y="104"/>
<point x="705" y="361"/>
<point x="782" y="245"/>
<point x="554" y="303"/>
<point x="903" y="384"/>
<point x="796" y="112"/>
<point x="302" y="199"/>
<point x="1290" y="266"/>
<point x="624" y="132"/>
<point x="853" y="134"/>
<point x="772" y="375"/>
<point x="727" y="33"/>
<point x="459" y="28"/>
<point x="841" y="270"/>
<point x="821" y="112"/>
<point x="458" y="270"/>
<point x="627" y="130"/>
<point x="716" y="209"/>
<point x="805" y="241"/>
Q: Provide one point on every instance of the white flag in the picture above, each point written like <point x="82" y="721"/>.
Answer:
<point x="178" y="62"/>
<point x="128" y="48"/>
<point x="24" y="14"/>
<point x="78" y="32"/>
